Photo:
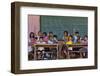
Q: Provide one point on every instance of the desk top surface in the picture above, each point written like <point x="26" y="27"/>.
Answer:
<point x="58" y="44"/>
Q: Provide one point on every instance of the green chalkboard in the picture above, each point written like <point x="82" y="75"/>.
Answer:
<point x="59" y="24"/>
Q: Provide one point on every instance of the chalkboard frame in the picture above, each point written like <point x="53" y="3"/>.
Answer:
<point x="15" y="37"/>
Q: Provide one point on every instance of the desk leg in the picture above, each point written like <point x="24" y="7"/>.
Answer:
<point x="68" y="54"/>
<point x="57" y="52"/>
<point x="81" y="54"/>
<point x="35" y="53"/>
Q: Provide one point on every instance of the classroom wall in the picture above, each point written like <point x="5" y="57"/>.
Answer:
<point x="33" y="23"/>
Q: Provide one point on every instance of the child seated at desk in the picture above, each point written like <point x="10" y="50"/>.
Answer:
<point x="76" y="37"/>
<point x="66" y="34"/>
<point x="50" y="41"/>
<point x="78" y="40"/>
<point x="69" y="42"/>
<point x="84" y="41"/>
<point x="55" y="40"/>
<point x="50" y="34"/>
<point x="39" y="35"/>
<point x="41" y="41"/>
<point x="31" y="41"/>
<point x="45" y="37"/>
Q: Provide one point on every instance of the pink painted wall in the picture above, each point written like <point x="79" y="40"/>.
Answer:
<point x="33" y="23"/>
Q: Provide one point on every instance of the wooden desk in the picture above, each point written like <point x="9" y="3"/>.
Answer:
<point x="45" y="46"/>
<point x="57" y="46"/>
<point x="77" y="51"/>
